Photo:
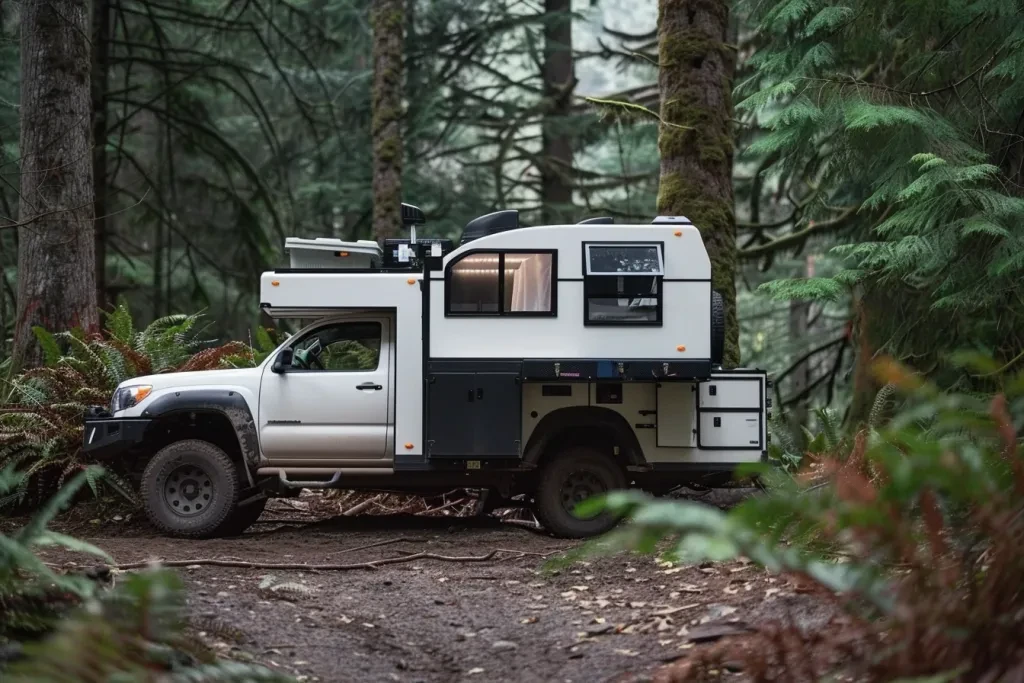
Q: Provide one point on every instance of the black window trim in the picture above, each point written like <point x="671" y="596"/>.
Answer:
<point x="500" y="313"/>
<point x="587" y="279"/>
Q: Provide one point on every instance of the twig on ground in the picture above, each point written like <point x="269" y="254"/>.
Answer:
<point x="374" y="564"/>
<point x="356" y="509"/>
<point x="378" y="544"/>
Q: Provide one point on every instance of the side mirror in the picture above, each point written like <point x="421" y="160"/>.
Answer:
<point x="283" y="361"/>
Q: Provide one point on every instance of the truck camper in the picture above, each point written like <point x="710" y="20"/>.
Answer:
<point x="550" y="363"/>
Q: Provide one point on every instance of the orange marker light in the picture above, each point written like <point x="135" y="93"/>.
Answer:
<point x="408" y="446"/>
<point x="680" y="348"/>
<point x="275" y="283"/>
<point x="342" y="253"/>
<point x="142" y="392"/>
<point x="411" y="281"/>
<point x="678" y="233"/>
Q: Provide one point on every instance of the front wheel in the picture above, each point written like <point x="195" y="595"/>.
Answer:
<point x="190" y="488"/>
<point x="572" y="477"/>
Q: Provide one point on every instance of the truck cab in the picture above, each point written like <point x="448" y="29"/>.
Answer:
<point x="552" y="363"/>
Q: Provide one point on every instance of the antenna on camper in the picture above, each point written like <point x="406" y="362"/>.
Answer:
<point x="411" y="217"/>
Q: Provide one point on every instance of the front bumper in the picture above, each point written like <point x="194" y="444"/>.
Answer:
<point x="107" y="437"/>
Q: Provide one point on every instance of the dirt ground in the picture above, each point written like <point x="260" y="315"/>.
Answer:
<point x="622" y="618"/>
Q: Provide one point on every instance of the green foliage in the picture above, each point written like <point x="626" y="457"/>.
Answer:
<point x="41" y="420"/>
<point x="906" y="112"/>
<point x="937" y="492"/>
<point x="33" y="596"/>
<point x="70" y="629"/>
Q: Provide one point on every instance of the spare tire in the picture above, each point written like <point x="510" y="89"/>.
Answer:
<point x="717" y="328"/>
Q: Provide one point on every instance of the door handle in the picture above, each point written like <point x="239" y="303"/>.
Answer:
<point x="369" y="386"/>
<point x="479" y="394"/>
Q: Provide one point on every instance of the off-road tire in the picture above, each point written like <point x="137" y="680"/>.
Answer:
<point x="244" y="517"/>
<point x="555" y="475"/>
<point x="214" y="516"/>
<point x="717" y="328"/>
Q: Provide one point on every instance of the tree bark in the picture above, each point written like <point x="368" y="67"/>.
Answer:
<point x="100" y="80"/>
<point x="697" y="67"/>
<point x="387" y="19"/>
<point x="559" y="82"/>
<point x="56" y="259"/>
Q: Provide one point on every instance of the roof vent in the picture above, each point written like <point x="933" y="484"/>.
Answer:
<point x="671" y="220"/>
<point x="600" y="220"/>
<point x="491" y="224"/>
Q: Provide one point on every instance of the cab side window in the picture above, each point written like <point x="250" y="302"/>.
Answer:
<point x="339" y="347"/>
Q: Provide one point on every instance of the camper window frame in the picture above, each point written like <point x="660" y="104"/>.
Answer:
<point x="500" y="313"/>
<point x="595" y="285"/>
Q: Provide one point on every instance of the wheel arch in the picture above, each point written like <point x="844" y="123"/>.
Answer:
<point x="223" y="414"/>
<point x="602" y="425"/>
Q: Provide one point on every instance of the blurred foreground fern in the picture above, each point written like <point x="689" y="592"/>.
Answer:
<point x="60" y="628"/>
<point x="928" y="513"/>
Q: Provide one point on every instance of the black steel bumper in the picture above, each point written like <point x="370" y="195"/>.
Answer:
<point x="108" y="437"/>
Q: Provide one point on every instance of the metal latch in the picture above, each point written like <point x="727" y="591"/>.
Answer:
<point x="558" y="369"/>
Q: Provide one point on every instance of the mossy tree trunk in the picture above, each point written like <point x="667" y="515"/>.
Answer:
<point x="101" y="15"/>
<point x="559" y="82"/>
<point x="56" y="259"/>
<point x="697" y="66"/>
<point x="388" y="22"/>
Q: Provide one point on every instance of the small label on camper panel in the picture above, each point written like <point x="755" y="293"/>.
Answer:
<point x="435" y="249"/>
<point x="403" y="253"/>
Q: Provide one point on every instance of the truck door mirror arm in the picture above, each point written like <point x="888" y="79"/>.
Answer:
<point x="283" y="361"/>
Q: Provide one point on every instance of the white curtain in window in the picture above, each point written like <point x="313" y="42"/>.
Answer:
<point x="531" y="285"/>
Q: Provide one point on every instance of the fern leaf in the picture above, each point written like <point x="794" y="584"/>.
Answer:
<point x="51" y="350"/>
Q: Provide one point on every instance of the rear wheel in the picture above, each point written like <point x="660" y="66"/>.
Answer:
<point x="190" y="488"/>
<point x="572" y="477"/>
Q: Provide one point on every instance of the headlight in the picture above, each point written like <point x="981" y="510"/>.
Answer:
<point x="126" y="397"/>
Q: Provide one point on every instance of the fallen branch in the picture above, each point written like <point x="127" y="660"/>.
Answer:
<point x="307" y="567"/>
<point x="377" y="545"/>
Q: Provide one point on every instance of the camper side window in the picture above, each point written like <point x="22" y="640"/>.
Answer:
<point x="503" y="283"/>
<point x="622" y="283"/>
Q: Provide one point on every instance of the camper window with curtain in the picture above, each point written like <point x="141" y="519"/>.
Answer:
<point x="502" y="283"/>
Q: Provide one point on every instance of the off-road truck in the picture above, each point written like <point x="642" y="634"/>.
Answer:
<point x="550" y="363"/>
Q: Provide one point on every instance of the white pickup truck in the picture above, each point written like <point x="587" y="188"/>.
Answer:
<point x="557" y="362"/>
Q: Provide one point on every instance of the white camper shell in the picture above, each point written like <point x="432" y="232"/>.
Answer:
<point x="552" y="362"/>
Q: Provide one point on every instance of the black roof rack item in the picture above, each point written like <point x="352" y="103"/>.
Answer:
<point x="490" y="224"/>
<point x="412" y="215"/>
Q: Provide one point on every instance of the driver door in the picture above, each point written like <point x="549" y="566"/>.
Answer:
<point x="333" y="404"/>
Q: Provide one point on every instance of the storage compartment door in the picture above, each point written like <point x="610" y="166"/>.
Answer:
<point x="451" y="415"/>
<point x="732" y="393"/>
<point x="497" y="422"/>
<point x="677" y="415"/>
<point x="730" y="431"/>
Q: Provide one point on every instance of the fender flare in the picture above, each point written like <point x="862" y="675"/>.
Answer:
<point x="226" y="402"/>
<point x="586" y="417"/>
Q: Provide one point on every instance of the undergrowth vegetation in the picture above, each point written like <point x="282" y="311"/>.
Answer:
<point x="96" y="628"/>
<point x="926" y="516"/>
<point x="42" y="408"/>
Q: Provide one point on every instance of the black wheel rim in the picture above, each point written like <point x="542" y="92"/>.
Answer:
<point x="578" y="487"/>
<point x="189" y="490"/>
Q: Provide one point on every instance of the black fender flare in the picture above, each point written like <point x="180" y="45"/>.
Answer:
<point x="584" y="417"/>
<point x="228" y="403"/>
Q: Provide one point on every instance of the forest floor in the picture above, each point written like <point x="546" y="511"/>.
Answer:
<point x="504" y="618"/>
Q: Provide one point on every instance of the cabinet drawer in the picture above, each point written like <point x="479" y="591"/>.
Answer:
<point x="729" y="430"/>
<point x="732" y="393"/>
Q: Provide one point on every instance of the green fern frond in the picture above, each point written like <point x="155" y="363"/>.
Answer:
<point x="51" y="350"/>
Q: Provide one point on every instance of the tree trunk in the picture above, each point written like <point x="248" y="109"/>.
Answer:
<point x="695" y="80"/>
<point x="799" y="331"/>
<point x="56" y="258"/>
<point x="559" y="82"/>
<point x="100" y="79"/>
<point x="387" y="19"/>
